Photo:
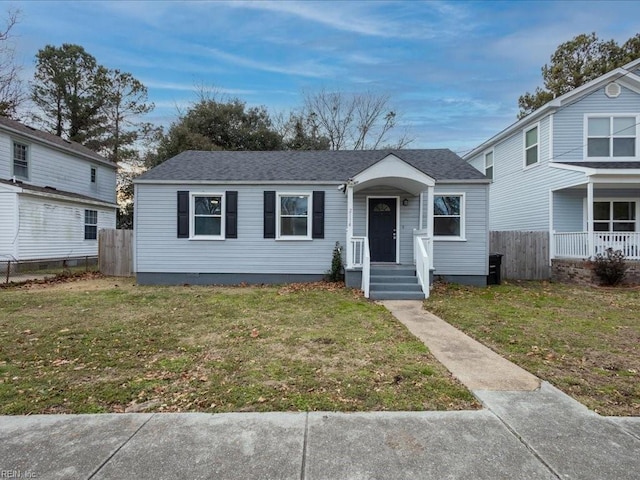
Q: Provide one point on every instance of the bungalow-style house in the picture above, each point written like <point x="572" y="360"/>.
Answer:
<point x="272" y="217"/>
<point x="572" y="169"/>
<point x="54" y="196"/>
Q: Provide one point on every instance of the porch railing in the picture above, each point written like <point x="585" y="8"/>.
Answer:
<point x="423" y="263"/>
<point x="355" y="252"/>
<point x="577" y="245"/>
<point x="366" y="267"/>
<point x="422" y="235"/>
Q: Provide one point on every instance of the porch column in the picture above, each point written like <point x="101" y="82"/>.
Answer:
<point x="430" y="223"/>
<point x="349" y="226"/>
<point x="590" y="218"/>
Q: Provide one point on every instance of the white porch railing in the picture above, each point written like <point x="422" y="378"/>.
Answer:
<point x="423" y="262"/>
<point x="355" y="251"/>
<point x="366" y="268"/>
<point x="577" y="245"/>
<point x="423" y="235"/>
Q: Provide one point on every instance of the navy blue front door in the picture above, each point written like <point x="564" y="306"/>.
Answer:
<point x="382" y="229"/>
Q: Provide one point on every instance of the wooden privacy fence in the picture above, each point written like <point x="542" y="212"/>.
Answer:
<point x="526" y="254"/>
<point x="115" y="252"/>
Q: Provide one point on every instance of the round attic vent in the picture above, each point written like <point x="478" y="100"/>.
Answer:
<point x="612" y="90"/>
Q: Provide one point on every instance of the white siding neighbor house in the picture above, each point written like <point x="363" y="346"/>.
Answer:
<point x="273" y="217"/>
<point x="572" y="169"/>
<point x="54" y="195"/>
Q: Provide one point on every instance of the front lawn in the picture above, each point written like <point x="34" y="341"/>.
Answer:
<point x="106" y="345"/>
<point x="583" y="340"/>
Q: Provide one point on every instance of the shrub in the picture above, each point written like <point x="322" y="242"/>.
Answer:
<point x="610" y="267"/>
<point x="335" y="273"/>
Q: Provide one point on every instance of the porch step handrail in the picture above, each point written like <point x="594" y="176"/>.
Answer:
<point x="576" y="244"/>
<point x="355" y="252"/>
<point x="428" y="242"/>
<point x="422" y="265"/>
<point x="366" y="268"/>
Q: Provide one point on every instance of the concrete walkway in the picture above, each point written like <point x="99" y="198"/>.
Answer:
<point x="528" y="433"/>
<point x="476" y="366"/>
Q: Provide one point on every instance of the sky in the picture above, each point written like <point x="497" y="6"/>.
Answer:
<point x="453" y="69"/>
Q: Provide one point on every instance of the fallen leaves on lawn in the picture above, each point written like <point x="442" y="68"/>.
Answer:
<point x="309" y="286"/>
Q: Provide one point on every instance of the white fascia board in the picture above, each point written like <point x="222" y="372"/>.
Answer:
<point x="589" y="171"/>
<point x="10" y="188"/>
<point x="66" y="198"/>
<point x="573" y="168"/>
<point x="391" y="166"/>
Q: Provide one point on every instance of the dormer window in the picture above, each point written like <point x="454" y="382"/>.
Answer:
<point x="20" y="160"/>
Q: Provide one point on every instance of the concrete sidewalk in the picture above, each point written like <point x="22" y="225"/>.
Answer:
<point x="531" y="432"/>
<point x="521" y="435"/>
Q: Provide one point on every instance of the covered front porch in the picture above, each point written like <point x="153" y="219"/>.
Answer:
<point x="389" y="234"/>
<point x="602" y="213"/>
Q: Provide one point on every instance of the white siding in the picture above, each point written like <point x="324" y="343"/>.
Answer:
<point x="159" y="250"/>
<point x="7" y="225"/>
<point x="53" y="168"/>
<point x="50" y="228"/>
<point x="468" y="257"/>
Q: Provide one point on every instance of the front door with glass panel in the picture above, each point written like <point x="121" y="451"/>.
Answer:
<point x="382" y="229"/>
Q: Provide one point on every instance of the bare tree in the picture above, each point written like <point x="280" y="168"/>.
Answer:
<point x="361" y="121"/>
<point x="12" y="93"/>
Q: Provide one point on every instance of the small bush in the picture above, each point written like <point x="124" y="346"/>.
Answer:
<point x="610" y="267"/>
<point x="335" y="273"/>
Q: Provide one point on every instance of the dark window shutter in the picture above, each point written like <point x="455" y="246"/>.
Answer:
<point x="183" y="214"/>
<point x="317" y="229"/>
<point x="269" y="214"/>
<point x="231" y="215"/>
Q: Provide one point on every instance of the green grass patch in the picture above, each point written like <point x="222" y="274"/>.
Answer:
<point x="583" y="340"/>
<point x="107" y="345"/>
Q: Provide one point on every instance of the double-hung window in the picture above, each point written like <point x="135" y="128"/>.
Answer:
<point x="207" y="220"/>
<point x="21" y="160"/>
<point x="293" y="216"/>
<point x="614" y="216"/>
<point x="448" y="216"/>
<point x="488" y="165"/>
<point x="90" y="224"/>
<point x="611" y="136"/>
<point x="531" y="150"/>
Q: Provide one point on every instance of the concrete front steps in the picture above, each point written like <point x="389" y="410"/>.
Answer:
<point x="394" y="282"/>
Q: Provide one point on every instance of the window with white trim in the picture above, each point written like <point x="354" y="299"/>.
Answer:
<point x="614" y="216"/>
<point x="293" y="216"/>
<point x="21" y="160"/>
<point x="94" y="175"/>
<point x="531" y="149"/>
<point x="488" y="164"/>
<point x="611" y="136"/>
<point x="207" y="212"/>
<point x="90" y="224"/>
<point x="448" y="216"/>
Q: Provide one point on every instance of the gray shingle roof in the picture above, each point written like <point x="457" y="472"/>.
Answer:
<point x="307" y="165"/>
<point x="71" y="147"/>
<point x="607" y="165"/>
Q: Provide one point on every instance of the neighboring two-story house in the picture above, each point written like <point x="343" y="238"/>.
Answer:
<point x="572" y="169"/>
<point x="54" y="195"/>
